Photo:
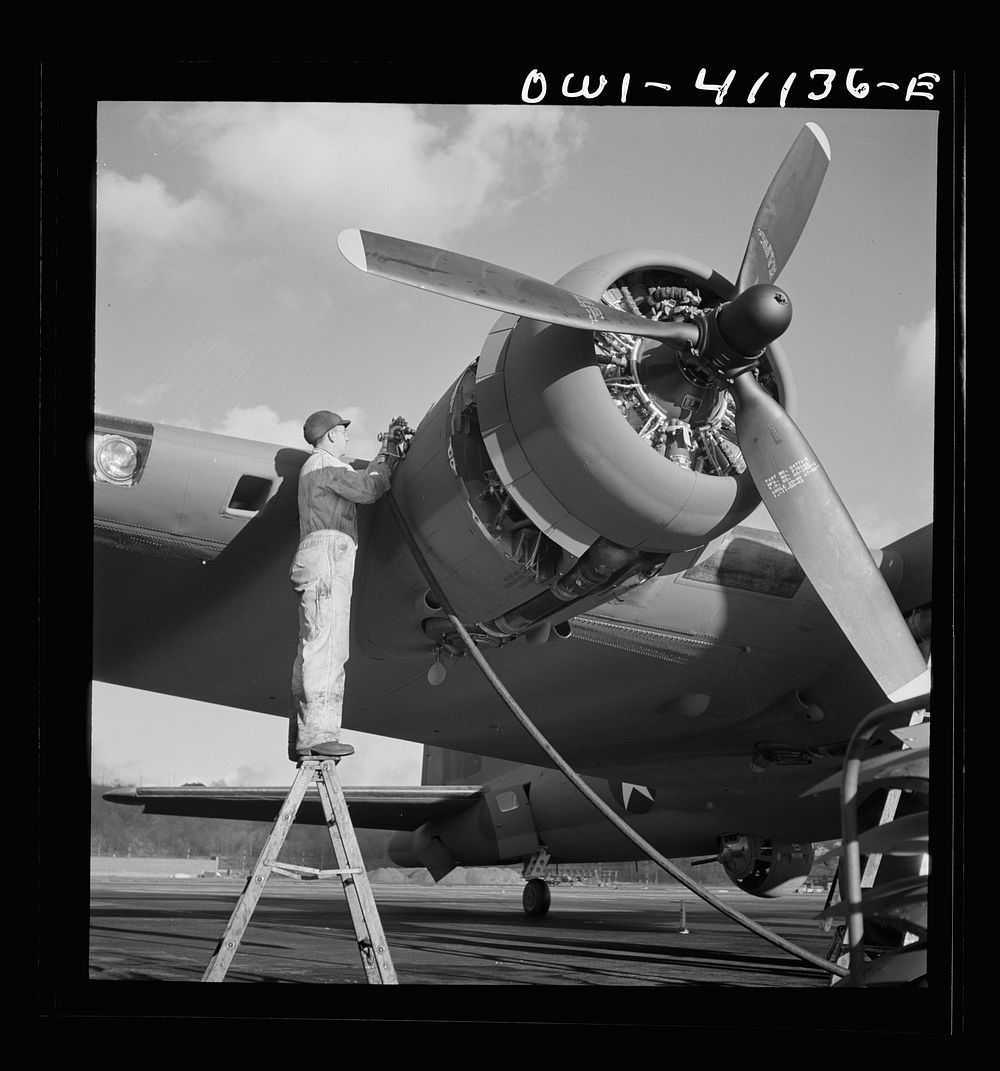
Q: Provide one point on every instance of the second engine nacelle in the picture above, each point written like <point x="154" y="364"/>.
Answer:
<point x="762" y="868"/>
<point x="498" y="828"/>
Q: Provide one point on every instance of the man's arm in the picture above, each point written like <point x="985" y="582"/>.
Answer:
<point x="371" y="484"/>
<point x="361" y="487"/>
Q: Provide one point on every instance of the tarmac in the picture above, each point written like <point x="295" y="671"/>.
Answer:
<point x="301" y="931"/>
<point x="603" y="956"/>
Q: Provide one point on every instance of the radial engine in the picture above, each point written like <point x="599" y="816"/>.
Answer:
<point x="565" y="465"/>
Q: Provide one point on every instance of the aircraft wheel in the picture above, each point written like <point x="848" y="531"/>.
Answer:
<point x="537" y="898"/>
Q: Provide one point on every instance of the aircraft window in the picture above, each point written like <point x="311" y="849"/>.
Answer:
<point x="507" y="801"/>
<point x="249" y="495"/>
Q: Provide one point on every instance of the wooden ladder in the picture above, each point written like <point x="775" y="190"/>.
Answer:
<point x="372" y="945"/>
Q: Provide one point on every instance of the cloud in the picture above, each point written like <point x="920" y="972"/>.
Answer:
<point x="916" y="349"/>
<point x="281" y="174"/>
<point x="142" y="211"/>
<point x="251" y="775"/>
<point x="379" y="760"/>
<point x="150" y="396"/>
<point x="262" y="424"/>
<point x="142" y="228"/>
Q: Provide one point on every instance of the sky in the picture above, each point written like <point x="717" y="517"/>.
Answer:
<point x="223" y="303"/>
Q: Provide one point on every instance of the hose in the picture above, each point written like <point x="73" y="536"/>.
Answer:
<point x="585" y="790"/>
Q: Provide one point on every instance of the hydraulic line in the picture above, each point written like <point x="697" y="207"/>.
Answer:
<point x="578" y="783"/>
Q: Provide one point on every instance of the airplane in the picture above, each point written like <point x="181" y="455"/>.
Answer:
<point x="578" y="498"/>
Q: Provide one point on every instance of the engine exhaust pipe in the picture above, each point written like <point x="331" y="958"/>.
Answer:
<point x="535" y="637"/>
<point x="427" y="605"/>
<point x="602" y="562"/>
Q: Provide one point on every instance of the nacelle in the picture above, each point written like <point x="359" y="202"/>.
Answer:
<point x="761" y="867"/>
<point x="564" y="465"/>
<point x="498" y="828"/>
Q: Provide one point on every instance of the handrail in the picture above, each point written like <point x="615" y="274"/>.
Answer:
<point x="850" y="871"/>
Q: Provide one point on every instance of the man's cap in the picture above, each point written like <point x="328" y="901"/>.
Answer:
<point x="320" y="423"/>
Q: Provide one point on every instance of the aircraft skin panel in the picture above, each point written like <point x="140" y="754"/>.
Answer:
<point x="237" y="652"/>
<point x="681" y="822"/>
<point x="184" y="492"/>
<point x="687" y="815"/>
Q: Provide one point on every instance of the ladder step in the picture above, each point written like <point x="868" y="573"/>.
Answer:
<point x="372" y="946"/>
<point x="292" y="870"/>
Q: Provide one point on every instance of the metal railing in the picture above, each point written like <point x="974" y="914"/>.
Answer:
<point x="850" y="868"/>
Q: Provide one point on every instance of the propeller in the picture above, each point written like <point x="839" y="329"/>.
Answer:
<point x="792" y="483"/>
<point x="787" y="204"/>
<point x="494" y="287"/>
<point x="728" y="342"/>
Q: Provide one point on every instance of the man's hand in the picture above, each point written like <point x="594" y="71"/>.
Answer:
<point x="399" y="430"/>
<point x="396" y="439"/>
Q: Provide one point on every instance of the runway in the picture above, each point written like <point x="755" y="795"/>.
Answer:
<point x="301" y="932"/>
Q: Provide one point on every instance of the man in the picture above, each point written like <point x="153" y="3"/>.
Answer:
<point x="323" y="575"/>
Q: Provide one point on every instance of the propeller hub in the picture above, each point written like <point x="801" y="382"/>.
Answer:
<point x="755" y="318"/>
<point x="734" y="335"/>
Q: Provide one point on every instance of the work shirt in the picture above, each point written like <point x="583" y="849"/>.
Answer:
<point x="329" y="490"/>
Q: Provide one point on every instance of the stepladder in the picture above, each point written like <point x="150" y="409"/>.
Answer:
<point x="372" y="945"/>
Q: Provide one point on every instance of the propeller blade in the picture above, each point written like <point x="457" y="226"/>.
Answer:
<point x="786" y="206"/>
<point x="480" y="283"/>
<point x="816" y="526"/>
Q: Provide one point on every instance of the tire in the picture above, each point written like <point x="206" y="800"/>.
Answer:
<point x="536" y="898"/>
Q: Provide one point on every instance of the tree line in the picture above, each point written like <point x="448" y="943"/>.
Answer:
<point x="121" y="830"/>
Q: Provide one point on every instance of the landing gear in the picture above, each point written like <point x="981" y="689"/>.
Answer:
<point x="537" y="898"/>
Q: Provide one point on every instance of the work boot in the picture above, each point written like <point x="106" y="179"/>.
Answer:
<point x="329" y="749"/>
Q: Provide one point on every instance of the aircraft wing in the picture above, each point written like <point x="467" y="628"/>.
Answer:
<point x="371" y="808"/>
<point x="674" y="682"/>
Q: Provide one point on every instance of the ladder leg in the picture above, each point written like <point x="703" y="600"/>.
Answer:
<point x="240" y="918"/>
<point x="372" y="944"/>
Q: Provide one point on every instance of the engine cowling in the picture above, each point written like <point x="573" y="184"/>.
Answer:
<point x="498" y="828"/>
<point x="762" y="867"/>
<point x="563" y="465"/>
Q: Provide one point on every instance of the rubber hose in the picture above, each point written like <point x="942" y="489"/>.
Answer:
<point x="585" y="790"/>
